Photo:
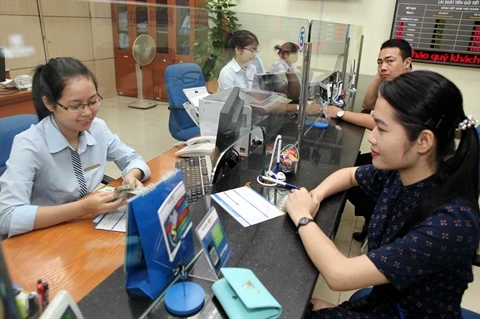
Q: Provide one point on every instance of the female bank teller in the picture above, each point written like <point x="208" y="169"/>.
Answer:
<point x="55" y="163"/>
<point x="425" y="227"/>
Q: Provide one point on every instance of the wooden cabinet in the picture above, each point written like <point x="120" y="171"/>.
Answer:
<point x="125" y="74"/>
<point x="14" y="103"/>
<point x="171" y="23"/>
<point x="159" y="87"/>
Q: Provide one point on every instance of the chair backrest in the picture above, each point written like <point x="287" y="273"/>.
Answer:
<point x="259" y="65"/>
<point x="178" y="77"/>
<point x="9" y="127"/>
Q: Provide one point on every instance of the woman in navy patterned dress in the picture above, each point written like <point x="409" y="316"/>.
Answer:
<point x="425" y="228"/>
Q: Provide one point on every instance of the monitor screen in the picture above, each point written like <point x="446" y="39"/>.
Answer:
<point x="269" y="81"/>
<point x="2" y="66"/>
<point x="230" y="121"/>
<point x="278" y="82"/>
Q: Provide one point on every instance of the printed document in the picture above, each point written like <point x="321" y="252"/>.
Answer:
<point x="116" y="220"/>
<point x="247" y="206"/>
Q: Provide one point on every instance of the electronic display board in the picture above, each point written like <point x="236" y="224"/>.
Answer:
<point x="440" y="31"/>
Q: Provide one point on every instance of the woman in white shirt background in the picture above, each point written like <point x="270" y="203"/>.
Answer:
<point x="288" y="53"/>
<point x="55" y="163"/>
<point x="241" y="47"/>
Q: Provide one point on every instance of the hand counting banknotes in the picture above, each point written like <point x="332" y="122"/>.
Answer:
<point x="127" y="190"/>
<point x="117" y="220"/>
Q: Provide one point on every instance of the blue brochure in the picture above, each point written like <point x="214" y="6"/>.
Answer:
<point x="214" y="242"/>
<point x="159" y="237"/>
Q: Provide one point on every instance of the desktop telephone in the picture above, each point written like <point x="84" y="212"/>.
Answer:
<point x="21" y="82"/>
<point x="197" y="146"/>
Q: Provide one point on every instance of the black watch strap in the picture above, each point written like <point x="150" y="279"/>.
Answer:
<point x="304" y="221"/>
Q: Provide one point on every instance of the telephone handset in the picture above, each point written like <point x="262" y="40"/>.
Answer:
<point x="201" y="139"/>
<point x="21" y="82"/>
<point x="197" y="146"/>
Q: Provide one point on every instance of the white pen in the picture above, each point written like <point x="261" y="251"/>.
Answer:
<point x="276" y="181"/>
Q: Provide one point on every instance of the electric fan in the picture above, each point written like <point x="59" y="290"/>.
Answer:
<point x="143" y="52"/>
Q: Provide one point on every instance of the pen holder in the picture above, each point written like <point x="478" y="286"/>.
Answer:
<point x="288" y="158"/>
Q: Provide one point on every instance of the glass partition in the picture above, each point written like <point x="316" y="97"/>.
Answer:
<point x="336" y="51"/>
<point x="328" y="48"/>
<point x="182" y="29"/>
<point x="331" y="58"/>
<point x="122" y="25"/>
<point x="270" y="31"/>
<point x="141" y="17"/>
<point x="355" y="42"/>
<point x="162" y="25"/>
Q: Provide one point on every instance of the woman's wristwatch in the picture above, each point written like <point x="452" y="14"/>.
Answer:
<point x="303" y="221"/>
<point x="340" y="114"/>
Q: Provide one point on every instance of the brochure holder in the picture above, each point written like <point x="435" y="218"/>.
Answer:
<point x="160" y="244"/>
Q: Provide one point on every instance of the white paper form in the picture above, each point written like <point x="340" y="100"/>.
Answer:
<point x="247" y="206"/>
<point x="195" y="94"/>
<point x="114" y="221"/>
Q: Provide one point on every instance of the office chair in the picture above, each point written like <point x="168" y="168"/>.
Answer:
<point x="11" y="126"/>
<point x="466" y="314"/>
<point x="259" y="65"/>
<point x="178" y="77"/>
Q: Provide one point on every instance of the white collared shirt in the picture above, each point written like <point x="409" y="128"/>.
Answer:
<point x="40" y="172"/>
<point x="280" y="66"/>
<point x="232" y="75"/>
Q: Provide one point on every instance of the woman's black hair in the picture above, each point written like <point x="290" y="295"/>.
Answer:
<point x="425" y="100"/>
<point x="50" y="79"/>
<point x="238" y="39"/>
<point x="286" y="48"/>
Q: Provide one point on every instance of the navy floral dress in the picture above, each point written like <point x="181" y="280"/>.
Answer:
<point x="429" y="268"/>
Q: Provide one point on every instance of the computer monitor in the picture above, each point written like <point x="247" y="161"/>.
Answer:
<point x="8" y="304"/>
<point x="230" y="121"/>
<point x="2" y="65"/>
<point x="268" y="81"/>
<point x="277" y="82"/>
<point x="231" y="124"/>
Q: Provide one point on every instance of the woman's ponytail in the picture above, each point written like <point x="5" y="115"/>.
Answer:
<point x="38" y="92"/>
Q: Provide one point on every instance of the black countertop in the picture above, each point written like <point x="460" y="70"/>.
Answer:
<point x="272" y="250"/>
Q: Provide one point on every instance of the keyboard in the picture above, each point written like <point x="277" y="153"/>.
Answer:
<point x="196" y="176"/>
